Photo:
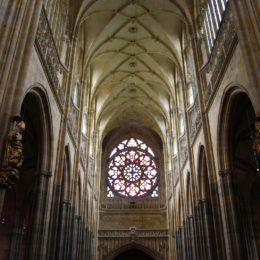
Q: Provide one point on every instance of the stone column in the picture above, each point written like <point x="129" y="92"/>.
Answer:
<point x="187" y="240"/>
<point x="18" y="25"/>
<point x="54" y="222"/>
<point x="192" y="238"/>
<point x="231" y="228"/>
<point x="75" y="237"/>
<point x="79" y="239"/>
<point x="61" y="237"/>
<point x="17" y="237"/>
<point x="201" y="227"/>
<point x="197" y="233"/>
<point x="38" y="227"/>
<point x="84" y="241"/>
<point x="207" y="227"/>
<point x="70" y="228"/>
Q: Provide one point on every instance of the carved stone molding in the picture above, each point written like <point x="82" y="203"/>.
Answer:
<point x="195" y="119"/>
<point x="224" y="43"/>
<point x="176" y="170"/>
<point x="73" y="118"/>
<point x="144" y="233"/>
<point x="111" y="240"/>
<point x="184" y="150"/>
<point x="47" y="50"/>
<point x="83" y="148"/>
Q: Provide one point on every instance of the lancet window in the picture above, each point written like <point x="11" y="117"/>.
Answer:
<point x="212" y="18"/>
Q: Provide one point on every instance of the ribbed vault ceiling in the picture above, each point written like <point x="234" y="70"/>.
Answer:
<point x="132" y="50"/>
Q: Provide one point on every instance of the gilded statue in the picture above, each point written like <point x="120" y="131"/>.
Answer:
<point x="257" y="137"/>
<point x="13" y="156"/>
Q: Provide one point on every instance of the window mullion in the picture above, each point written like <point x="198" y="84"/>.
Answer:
<point x="218" y="10"/>
<point x="212" y="25"/>
<point x="207" y="36"/>
<point x="216" y="14"/>
<point x="209" y="30"/>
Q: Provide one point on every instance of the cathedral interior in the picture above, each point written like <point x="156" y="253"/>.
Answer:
<point x="130" y="129"/>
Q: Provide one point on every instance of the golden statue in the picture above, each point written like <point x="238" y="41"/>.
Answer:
<point x="257" y="137"/>
<point x="13" y="156"/>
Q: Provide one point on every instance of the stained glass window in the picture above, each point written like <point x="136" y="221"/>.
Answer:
<point x="110" y="193"/>
<point x="155" y="193"/>
<point x="132" y="169"/>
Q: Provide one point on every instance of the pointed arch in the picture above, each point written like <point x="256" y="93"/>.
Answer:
<point x="202" y="176"/>
<point x="133" y="245"/>
<point x="31" y="192"/>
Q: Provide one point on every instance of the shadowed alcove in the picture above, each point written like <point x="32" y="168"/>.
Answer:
<point x="133" y="254"/>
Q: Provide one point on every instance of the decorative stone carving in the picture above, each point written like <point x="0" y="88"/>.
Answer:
<point x="73" y="118"/>
<point x="13" y="156"/>
<point x="195" y="119"/>
<point x="184" y="150"/>
<point x="50" y="58"/>
<point x="170" y="183"/>
<point x="83" y="147"/>
<point x="155" y="239"/>
<point x="176" y="170"/>
<point x="223" y="44"/>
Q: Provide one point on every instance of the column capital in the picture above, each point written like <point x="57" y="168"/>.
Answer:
<point x="202" y="201"/>
<point x="68" y="202"/>
<point x="45" y="173"/>
<point x="223" y="173"/>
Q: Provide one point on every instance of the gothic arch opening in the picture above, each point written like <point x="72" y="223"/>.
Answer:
<point x="133" y="251"/>
<point x="24" y="202"/>
<point x="207" y="225"/>
<point x="132" y="191"/>
<point x="133" y="254"/>
<point x="239" y="173"/>
<point x="62" y="251"/>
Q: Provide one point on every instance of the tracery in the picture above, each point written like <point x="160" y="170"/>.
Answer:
<point x="132" y="169"/>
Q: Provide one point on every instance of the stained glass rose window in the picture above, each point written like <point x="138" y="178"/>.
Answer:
<point x="132" y="169"/>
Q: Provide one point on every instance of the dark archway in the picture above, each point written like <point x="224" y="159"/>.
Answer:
<point x="245" y="177"/>
<point x="238" y="175"/>
<point x="133" y="254"/>
<point x="25" y="202"/>
<point x="131" y="248"/>
<point x="208" y="240"/>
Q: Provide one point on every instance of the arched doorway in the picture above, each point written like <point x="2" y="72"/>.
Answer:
<point x="239" y="176"/>
<point x="133" y="254"/>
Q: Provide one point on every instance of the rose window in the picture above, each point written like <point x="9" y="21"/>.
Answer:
<point x="132" y="170"/>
